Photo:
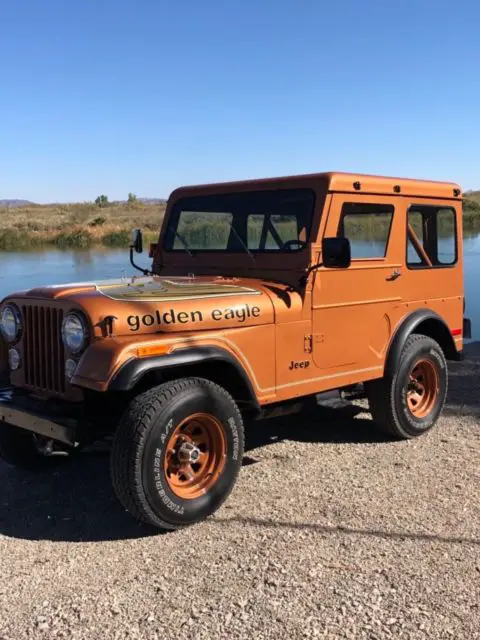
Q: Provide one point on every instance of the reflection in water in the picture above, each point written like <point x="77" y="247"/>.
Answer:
<point x="471" y="251"/>
<point x="82" y="258"/>
<point x="19" y="271"/>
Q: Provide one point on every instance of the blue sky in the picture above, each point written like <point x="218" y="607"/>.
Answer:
<point x="112" y="96"/>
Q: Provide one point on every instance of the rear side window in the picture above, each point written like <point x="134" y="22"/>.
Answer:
<point x="431" y="237"/>
<point x="367" y="226"/>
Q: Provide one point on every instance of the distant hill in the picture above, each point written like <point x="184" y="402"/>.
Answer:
<point x="142" y="200"/>
<point x="11" y="204"/>
<point x="16" y="203"/>
<point x="152" y="200"/>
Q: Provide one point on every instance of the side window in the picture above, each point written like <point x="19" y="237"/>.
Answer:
<point x="431" y="236"/>
<point x="367" y="226"/>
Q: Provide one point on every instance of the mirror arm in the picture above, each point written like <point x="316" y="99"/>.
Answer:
<point x="145" y="272"/>
<point x="304" y="278"/>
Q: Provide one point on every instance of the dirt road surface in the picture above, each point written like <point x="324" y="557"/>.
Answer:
<point x="330" y="532"/>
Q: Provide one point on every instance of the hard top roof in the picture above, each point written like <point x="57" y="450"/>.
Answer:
<point x="335" y="182"/>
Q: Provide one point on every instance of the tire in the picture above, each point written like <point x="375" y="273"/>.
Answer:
<point x="409" y="403"/>
<point x="19" y="448"/>
<point x="153" y="468"/>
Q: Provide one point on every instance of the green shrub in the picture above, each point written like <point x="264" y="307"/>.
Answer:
<point x="117" y="239"/>
<point x="102" y="201"/>
<point x="11" y="240"/>
<point x="471" y="205"/>
<point x="97" y="222"/>
<point x="78" y="239"/>
<point x="471" y="220"/>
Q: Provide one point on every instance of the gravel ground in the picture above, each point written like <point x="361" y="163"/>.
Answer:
<point x="330" y="532"/>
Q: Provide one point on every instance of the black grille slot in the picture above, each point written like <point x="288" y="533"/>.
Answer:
<point x="43" y="348"/>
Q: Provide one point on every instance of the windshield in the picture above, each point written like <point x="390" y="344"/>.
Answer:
<point x="253" y="222"/>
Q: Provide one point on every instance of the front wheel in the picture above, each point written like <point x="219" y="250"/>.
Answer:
<point x="177" y="452"/>
<point x="409" y="403"/>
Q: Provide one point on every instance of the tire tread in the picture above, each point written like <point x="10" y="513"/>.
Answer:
<point x="133" y="429"/>
<point x="381" y="393"/>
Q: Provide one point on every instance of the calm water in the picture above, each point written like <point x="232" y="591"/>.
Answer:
<point x="26" y="270"/>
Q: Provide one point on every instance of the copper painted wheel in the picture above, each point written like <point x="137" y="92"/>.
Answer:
<point x="422" y="388"/>
<point x="195" y="456"/>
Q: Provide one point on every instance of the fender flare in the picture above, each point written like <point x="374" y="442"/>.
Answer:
<point x="408" y="325"/>
<point x="132" y="371"/>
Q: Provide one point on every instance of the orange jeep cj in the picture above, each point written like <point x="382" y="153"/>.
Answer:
<point x="259" y="293"/>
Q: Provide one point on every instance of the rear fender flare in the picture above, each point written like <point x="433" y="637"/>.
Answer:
<point x="424" y="321"/>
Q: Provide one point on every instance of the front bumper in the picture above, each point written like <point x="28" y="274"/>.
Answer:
<point x="63" y="430"/>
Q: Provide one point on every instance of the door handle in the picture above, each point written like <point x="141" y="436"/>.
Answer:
<point x="394" y="275"/>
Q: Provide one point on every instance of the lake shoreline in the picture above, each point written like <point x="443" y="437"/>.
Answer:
<point x="78" y="238"/>
<point x="87" y="225"/>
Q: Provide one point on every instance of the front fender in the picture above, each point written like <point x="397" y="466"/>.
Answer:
<point x="131" y="373"/>
<point x="114" y="365"/>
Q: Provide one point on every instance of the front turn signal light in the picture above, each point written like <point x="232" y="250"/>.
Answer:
<point x="154" y="350"/>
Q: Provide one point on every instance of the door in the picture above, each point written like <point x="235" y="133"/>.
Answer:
<point x="351" y="307"/>
<point x="433" y="274"/>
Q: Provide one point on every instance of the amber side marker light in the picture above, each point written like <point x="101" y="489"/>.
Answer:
<point x="155" y="350"/>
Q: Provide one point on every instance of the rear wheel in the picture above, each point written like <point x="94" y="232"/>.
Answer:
<point x="409" y="403"/>
<point x="177" y="452"/>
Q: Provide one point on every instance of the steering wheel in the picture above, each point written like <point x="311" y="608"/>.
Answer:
<point x="290" y="244"/>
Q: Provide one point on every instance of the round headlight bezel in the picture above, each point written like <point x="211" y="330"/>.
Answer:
<point x="75" y="349"/>
<point x="17" y="317"/>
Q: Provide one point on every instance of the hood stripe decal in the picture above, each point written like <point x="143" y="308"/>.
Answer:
<point x="169" y="290"/>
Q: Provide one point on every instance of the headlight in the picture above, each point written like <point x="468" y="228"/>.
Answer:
<point x="10" y="322"/>
<point x="74" y="332"/>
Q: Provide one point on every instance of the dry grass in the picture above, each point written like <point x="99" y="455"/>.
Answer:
<point x="76" y="225"/>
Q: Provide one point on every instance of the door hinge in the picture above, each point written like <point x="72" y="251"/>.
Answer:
<point x="307" y="344"/>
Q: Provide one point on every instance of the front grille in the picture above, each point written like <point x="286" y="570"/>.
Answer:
<point x="43" y="348"/>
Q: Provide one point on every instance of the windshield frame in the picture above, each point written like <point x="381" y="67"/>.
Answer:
<point x="305" y="194"/>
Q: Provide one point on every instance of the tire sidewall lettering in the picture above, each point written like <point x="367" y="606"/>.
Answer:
<point x="235" y="438"/>
<point x="158" y="493"/>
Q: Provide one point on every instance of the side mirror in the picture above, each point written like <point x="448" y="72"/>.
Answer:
<point x="137" y="240"/>
<point x="336" y="253"/>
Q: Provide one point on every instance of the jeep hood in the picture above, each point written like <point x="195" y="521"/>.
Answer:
<point x="144" y="305"/>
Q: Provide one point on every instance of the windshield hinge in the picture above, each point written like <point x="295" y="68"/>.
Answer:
<point x="307" y="344"/>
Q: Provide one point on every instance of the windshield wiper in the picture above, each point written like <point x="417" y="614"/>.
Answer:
<point x="185" y="245"/>
<point x="237" y="235"/>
